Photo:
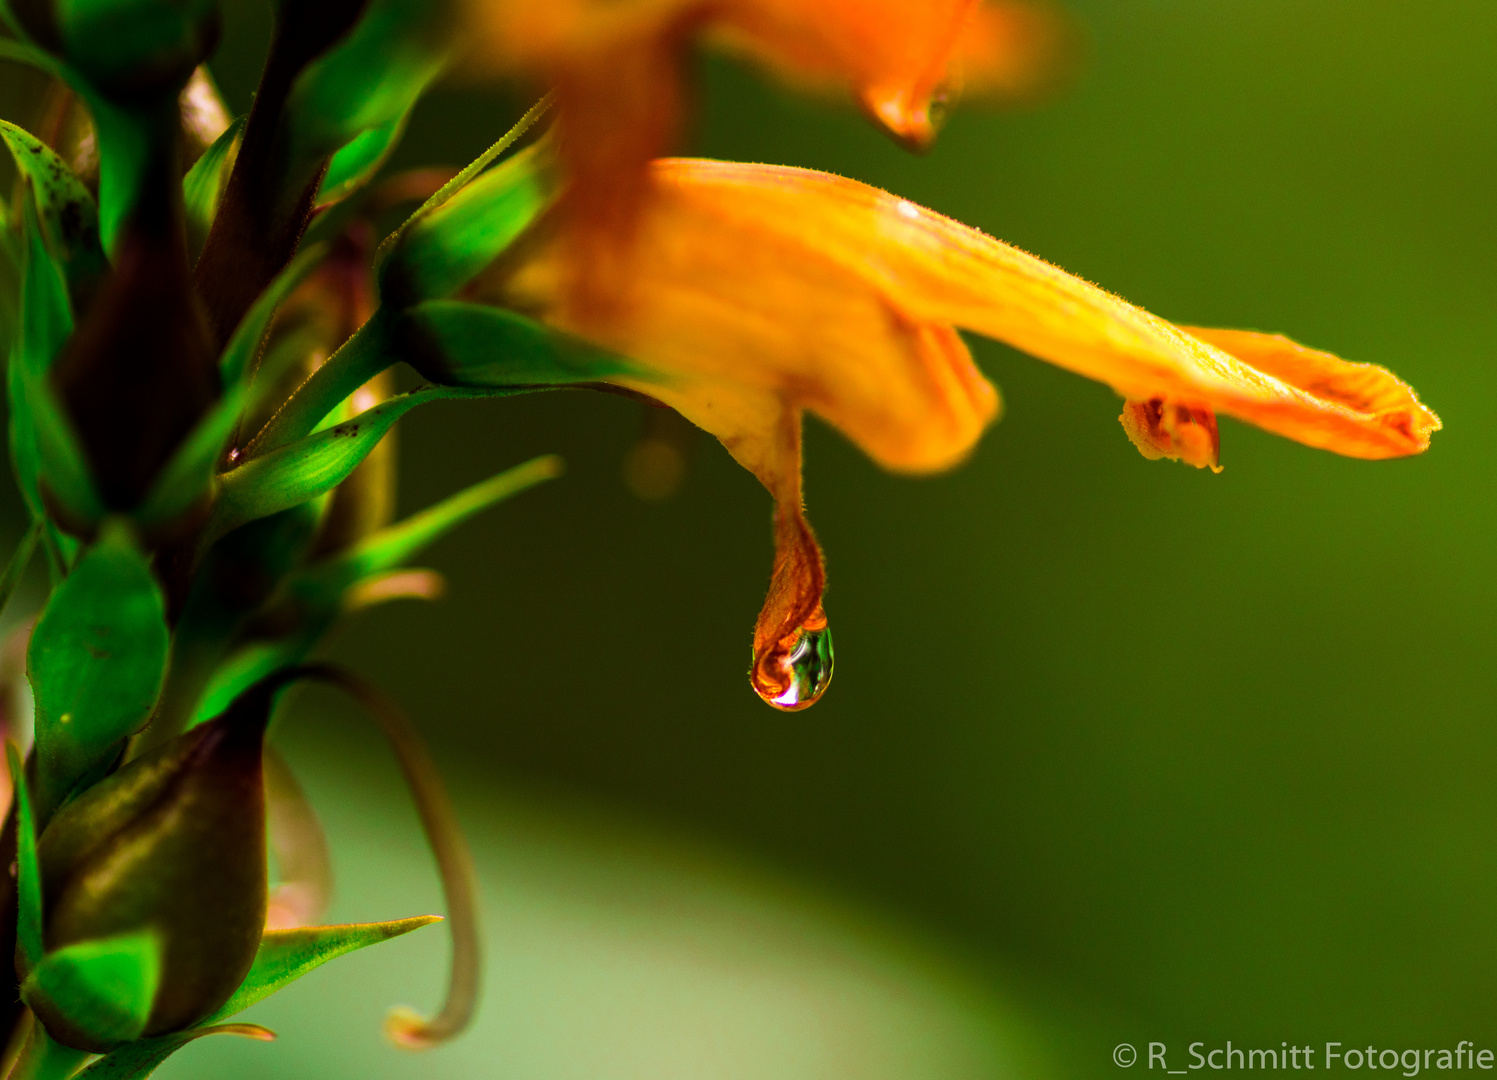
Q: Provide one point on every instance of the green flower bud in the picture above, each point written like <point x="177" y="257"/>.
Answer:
<point x="171" y="846"/>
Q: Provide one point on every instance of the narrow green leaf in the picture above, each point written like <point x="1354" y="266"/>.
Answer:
<point x="137" y="1060"/>
<point x="392" y="546"/>
<point x="203" y="185"/>
<point x="238" y="357"/>
<point x="369" y="79"/>
<point x="25" y="459"/>
<point x="254" y="662"/>
<point x="60" y="457"/>
<point x="359" y="359"/>
<point x="473" y="345"/>
<point x="293" y="474"/>
<point x="69" y="216"/>
<point x="287" y="955"/>
<point x="447" y="246"/>
<point x="360" y="158"/>
<point x="130" y="138"/>
<point x="19" y="52"/>
<point x="188" y="477"/>
<point x="104" y="987"/>
<point x="28" y="869"/>
<point x="19" y="561"/>
<point x="46" y="309"/>
<point x="464" y="178"/>
<point x="96" y="662"/>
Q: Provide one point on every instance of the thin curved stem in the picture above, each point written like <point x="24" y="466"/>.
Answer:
<point x="454" y="861"/>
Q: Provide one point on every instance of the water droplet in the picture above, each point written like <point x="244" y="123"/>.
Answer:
<point x="802" y="669"/>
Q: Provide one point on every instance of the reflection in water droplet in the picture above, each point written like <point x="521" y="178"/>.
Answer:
<point x="803" y="669"/>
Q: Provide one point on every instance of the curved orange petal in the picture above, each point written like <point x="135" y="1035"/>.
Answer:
<point x="938" y="271"/>
<point x="1366" y="411"/>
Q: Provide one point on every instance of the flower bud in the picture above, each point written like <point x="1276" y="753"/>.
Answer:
<point x="173" y="845"/>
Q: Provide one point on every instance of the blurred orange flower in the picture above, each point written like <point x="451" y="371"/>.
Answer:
<point x="754" y="292"/>
<point x="616" y="67"/>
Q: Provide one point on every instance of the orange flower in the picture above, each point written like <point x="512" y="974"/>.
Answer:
<point x="617" y="70"/>
<point x="756" y="292"/>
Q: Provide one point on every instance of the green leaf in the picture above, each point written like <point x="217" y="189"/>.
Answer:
<point x="466" y="177"/>
<point x="444" y="248"/>
<point x="473" y="345"/>
<point x="25" y="458"/>
<point x="19" y="561"/>
<point x="131" y="137"/>
<point x="104" y="987"/>
<point x="203" y="185"/>
<point x="360" y="158"/>
<point x="28" y="869"/>
<point x="60" y="458"/>
<point x="21" y="53"/>
<point x="137" y="1060"/>
<point x="235" y="366"/>
<point x="96" y="662"/>
<point x="188" y="477"/>
<point x="307" y="468"/>
<point x="391" y="547"/>
<point x="69" y="216"/>
<point x="369" y="80"/>
<point x="254" y="662"/>
<point x="46" y="308"/>
<point x="287" y="955"/>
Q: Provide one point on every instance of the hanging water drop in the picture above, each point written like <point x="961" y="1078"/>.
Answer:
<point x="798" y="670"/>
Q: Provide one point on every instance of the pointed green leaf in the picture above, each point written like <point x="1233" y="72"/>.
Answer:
<point x="41" y="436"/>
<point x="28" y="869"/>
<point x="21" y="53"/>
<point x="104" y="987"/>
<point x="312" y="465"/>
<point x="370" y="79"/>
<point x="392" y="546"/>
<point x="359" y="359"/>
<point x="129" y="139"/>
<point x="69" y="216"/>
<point x="60" y="457"/>
<point x="19" y="560"/>
<point x="137" y="1060"/>
<point x="96" y="662"/>
<point x="445" y="247"/>
<point x="46" y="309"/>
<point x="467" y="176"/>
<point x="203" y="185"/>
<point x="188" y="476"/>
<point x="238" y="356"/>
<point x="287" y="955"/>
<point x="251" y="664"/>
<point x="25" y="457"/>
<point x="473" y="345"/>
<point x="360" y="158"/>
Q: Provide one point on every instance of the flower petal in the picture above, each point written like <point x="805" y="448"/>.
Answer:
<point x="1362" y="410"/>
<point x="937" y="271"/>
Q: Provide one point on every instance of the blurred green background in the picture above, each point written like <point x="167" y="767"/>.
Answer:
<point x="1117" y="750"/>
